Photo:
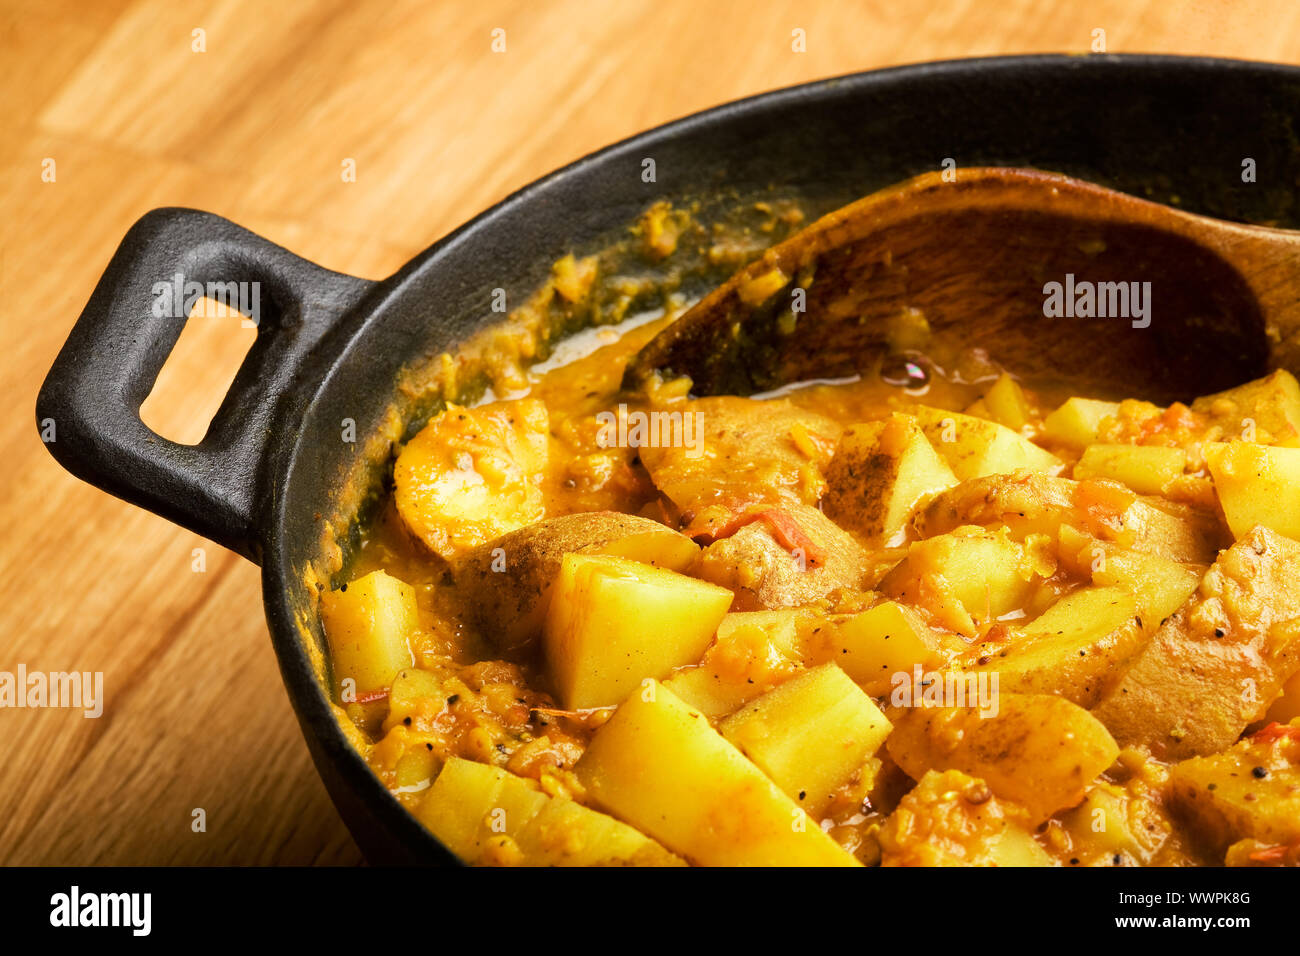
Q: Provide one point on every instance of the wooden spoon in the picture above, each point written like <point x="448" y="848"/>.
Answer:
<point x="977" y="257"/>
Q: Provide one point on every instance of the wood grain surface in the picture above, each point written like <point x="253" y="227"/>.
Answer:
<point x="256" y="127"/>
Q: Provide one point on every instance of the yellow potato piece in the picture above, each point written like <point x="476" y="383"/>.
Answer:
<point x="658" y="765"/>
<point x="613" y="623"/>
<point x="1287" y="706"/>
<point x="1130" y="821"/>
<point x="368" y="625"/>
<point x="754" y="651"/>
<point x="412" y="692"/>
<point x="810" y="735"/>
<point x="1028" y="503"/>
<point x="1160" y="585"/>
<point x="1006" y="403"/>
<point x="1252" y="790"/>
<point x="1072" y="649"/>
<point x="885" y="640"/>
<point x="486" y="815"/>
<point x="879" y="473"/>
<point x="1257" y="485"/>
<point x="1266" y="410"/>
<point x="1147" y="469"/>
<point x="975" y="448"/>
<point x="966" y="579"/>
<point x="1038" y="751"/>
<point x="1216" y="665"/>
<point x="1078" y="421"/>
<point x="508" y="581"/>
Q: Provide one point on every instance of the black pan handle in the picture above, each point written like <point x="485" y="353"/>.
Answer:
<point x="90" y="402"/>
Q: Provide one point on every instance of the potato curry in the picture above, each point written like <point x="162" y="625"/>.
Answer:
<point x="928" y="616"/>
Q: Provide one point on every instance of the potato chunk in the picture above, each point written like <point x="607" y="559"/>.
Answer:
<point x="747" y="451"/>
<point x="1267" y="409"/>
<point x="566" y="833"/>
<point x="975" y="447"/>
<point x="952" y="819"/>
<point x="472" y="474"/>
<point x="967" y="579"/>
<point x="1028" y="503"/>
<point x="1218" y="663"/>
<point x="658" y="765"/>
<point x="1006" y="403"/>
<point x="1039" y="751"/>
<point x="882" y="641"/>
<point x="1160" y="585"/>
<point x="753" y="652"/>
<point x="1257" y="485"/>
<point x="1071" y="649"/>
<point x="800" y="558"/>
<point x="486" y="815"/>
<point x="1130" y="821"/>
<point x="613" y="623"/>
<point x="879" y="473"/>
<point x="412" y="692"/>
<point x="1147" y="469"/>
<point x="1078" y="421"/>
<point x="368" y="625"/>
<point x="508" y="581"/>
<point x="810" y="735"/>
<point x="1250" y="791"/>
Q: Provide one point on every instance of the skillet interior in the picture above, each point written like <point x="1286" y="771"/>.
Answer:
<point x="1171" y="129"/>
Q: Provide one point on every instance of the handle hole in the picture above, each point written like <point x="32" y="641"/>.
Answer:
<point x="198" y="373"/>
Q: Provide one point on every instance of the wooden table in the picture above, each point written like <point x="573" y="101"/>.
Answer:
<point x="124" y="106"/>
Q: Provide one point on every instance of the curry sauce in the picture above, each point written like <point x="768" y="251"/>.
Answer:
<point x="924" y="616"/>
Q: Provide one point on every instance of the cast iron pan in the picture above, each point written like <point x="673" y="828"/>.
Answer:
<point x="330" y="346"/>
